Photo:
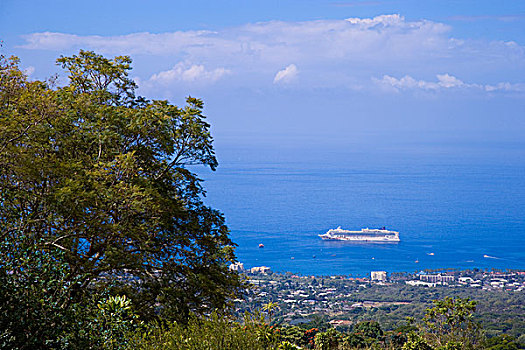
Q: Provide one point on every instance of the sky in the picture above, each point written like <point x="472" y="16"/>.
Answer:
<point x="305" y="74"/>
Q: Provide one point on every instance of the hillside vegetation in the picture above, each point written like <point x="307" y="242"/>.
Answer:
<point x="105" y="242"/>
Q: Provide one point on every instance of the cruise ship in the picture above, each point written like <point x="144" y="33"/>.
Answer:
<point x="365" y="235"/>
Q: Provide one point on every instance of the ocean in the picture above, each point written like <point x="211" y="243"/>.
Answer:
<point x="454" y="207"/>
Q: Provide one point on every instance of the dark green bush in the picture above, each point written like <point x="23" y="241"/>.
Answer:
<point x="41" y="307"/>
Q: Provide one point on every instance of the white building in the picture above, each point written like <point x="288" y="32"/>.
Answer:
<point x="420" y="283"/>
<point x="260" y="269"/>
<point x="437" y="278"/>
<point x="238" y="266"/>
<point x="378" y="276"/>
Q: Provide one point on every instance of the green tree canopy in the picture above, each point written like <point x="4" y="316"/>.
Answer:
<point x="450" y="324"/>
<point x="101" y="175"/>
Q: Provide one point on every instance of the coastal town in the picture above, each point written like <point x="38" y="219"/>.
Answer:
<point x="340" y="301"/>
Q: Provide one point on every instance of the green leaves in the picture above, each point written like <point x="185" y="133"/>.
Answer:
<point x="450" y="322"/>
<point x="101" y="176"/>
<point x="36" y="304"/>
<point x="106" y="78"/>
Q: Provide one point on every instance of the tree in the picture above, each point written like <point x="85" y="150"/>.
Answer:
<point x="33" y="292"/>
<point x="327" y="340"/>
<point x="450" y="324"/>
<point x="416" y="342"/>
<point x="501" y="342"/>
<point x="370" y="329"/>
<point x="270" y="307"/>
<point x="101" y="177"/>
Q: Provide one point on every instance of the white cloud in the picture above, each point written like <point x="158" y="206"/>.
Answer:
<point x="448" y="81"/>
<point x="270" y="42"/>
<point x="383" y="20"/>
<point x="505" y="87"/>
<point x="444" y="82"/>
<point x="135" y="43"/>
<point x="335" y="52"/>
<point x="29" y="71"/>
<point x="286" y="75"/>
<point x="188" y="73"/>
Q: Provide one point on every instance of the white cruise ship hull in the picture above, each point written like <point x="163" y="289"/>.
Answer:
<point x="365" y="235"/>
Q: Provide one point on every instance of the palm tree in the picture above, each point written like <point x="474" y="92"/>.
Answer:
<point x="270" y="308"/>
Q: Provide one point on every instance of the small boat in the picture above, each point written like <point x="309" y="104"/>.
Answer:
<point x="431" y="254"/>
<point x="417" y="261"/>
<point x="261" y="245"/>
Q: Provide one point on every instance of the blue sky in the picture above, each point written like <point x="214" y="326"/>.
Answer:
<point x="336" y="73"/>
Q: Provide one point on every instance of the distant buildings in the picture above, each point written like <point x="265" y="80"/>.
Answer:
<point x="378" y="276"/>
<point x="431" y="280"/>
<point x="439" y="278"/>
<point x="420" y="283"/>
<point x="339" y="323"/>
<point x="238" y="266"/>
<point x="260" y="269"/>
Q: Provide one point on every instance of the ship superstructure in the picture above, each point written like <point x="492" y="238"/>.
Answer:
<point x="365" y="235"/>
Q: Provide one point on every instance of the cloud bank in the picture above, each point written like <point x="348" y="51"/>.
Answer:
<point x="186" y="72"/>
<point x="271" y="41"/>
<point x="331" y="53"/>
<point x="444" y="82"/>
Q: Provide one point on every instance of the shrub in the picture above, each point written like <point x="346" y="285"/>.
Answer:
<point x="213" y="333"/>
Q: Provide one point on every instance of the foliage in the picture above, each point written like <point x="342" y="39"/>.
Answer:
<point x="327" y="340"/>
<point x="286" y="345"/>
<point x="214" y="333"/>
<point x="369" y="329"/>
<point x="502" y="342"/>
<point x="296" y="335"/>
<point x="93" y="174"/>
<point x="398" y="337"/>
<point x="115" y="320"/>
<point x="416" y="342"/>
<point x="34" y="298"/>
<point x="39" y="312"/>
<point x="452" y="345"/>
<point x="218" y="332"/>
<point x="318" y="322"/>
<point x="309" y="337"/>
<point x="355" y="341"/>
<point x="270" y="307"/>
<point x="450" y="323"/>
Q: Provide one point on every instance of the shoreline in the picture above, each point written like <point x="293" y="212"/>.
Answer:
<point x="266" y="270"/>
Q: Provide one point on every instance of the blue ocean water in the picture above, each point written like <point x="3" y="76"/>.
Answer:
<point x="453" y="209"/>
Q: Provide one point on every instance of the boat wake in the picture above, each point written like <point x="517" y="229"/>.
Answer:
<point x="490" y="257"/>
